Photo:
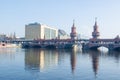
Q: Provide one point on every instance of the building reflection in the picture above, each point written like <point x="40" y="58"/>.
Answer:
<point x="8" y="53"/>
<point x="62" y="55"/>
<point x="36" y="59"/>
<point x="73" y="60"/>
<point x="95" y="54"/>
<point x="95" y="61"/>
<point x="115" y="54"/>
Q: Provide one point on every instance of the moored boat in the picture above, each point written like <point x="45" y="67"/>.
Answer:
<point x="7" y="45"/>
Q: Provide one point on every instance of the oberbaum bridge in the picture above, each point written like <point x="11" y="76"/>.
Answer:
<point x="93" y="43"/>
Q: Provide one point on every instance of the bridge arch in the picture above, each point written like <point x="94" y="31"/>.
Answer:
<point x="97" y="44"/>
<point x="98" y="47"/>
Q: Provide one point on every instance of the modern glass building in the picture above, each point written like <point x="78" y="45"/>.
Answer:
<point x="62" y="34"/>
<point x="40" y="31"/>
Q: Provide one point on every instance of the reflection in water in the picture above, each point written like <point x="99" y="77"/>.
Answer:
<point x="42" y="59"/>
<point x="36" y="59"/>
<point x="95" y="61"/>
<point x="73" y="61"/>
<point x="42" y="64"/>
<point x="8" y="53"/>
<point x="32" y="59"/>
<point x="95" y="54"/>
<point x="115" y="54"/>
<point x="8" y="50"/>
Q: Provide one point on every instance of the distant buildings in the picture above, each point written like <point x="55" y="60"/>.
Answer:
<point x="4" y="37"/>
<point x="40" y="31"/>
<point x="62" y="34"/>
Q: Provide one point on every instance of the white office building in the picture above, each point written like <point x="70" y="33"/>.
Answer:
<point x="40" y="31"/>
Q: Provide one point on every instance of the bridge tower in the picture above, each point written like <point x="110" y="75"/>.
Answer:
<point x="95" y="33"/>
<point x="73" y="33"/>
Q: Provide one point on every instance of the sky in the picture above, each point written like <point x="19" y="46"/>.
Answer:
<point x="15" y="14"/>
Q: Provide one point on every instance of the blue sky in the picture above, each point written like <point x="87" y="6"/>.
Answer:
<point x="15" y="14"/>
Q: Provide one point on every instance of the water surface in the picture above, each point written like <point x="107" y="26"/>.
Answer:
<point x="43" y="64"/>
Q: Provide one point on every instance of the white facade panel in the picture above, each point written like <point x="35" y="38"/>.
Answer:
<point x="38" y="31"/>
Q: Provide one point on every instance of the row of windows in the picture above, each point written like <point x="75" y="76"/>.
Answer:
<point x="49" y="33"/>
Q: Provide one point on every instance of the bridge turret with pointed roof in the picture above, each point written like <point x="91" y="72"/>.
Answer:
<point x="95" y="33"/>
<point x="73" y="33"/>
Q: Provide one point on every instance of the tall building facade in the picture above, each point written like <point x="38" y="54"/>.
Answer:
<point x="40" y="31"/>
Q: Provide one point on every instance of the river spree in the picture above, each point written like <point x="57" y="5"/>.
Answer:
<point x="42" y="64"/>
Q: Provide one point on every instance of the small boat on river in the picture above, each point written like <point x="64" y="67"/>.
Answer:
<point x="7" y="45"/>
